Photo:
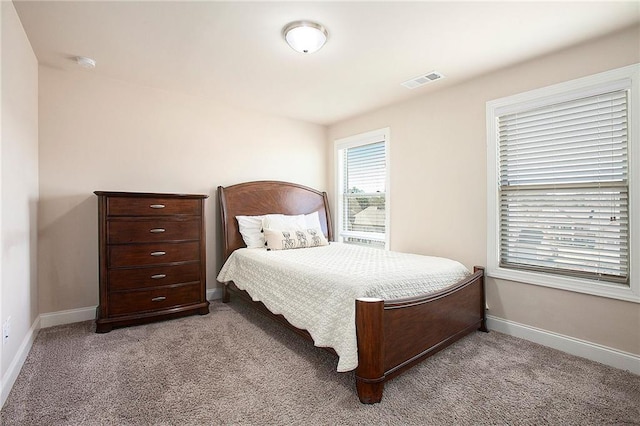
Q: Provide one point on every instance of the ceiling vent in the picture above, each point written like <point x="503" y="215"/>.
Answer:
<point x="422" y="80"/>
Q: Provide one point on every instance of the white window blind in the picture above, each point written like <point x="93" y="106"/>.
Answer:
<point x="563" y="188"/>
<point x="362" y="185"/>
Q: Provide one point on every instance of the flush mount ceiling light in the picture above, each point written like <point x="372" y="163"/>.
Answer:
<point x="305" y="36"/>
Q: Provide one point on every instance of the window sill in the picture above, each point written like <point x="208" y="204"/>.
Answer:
<point x="594" y="288"/>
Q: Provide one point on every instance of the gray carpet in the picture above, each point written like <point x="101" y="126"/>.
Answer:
<point x="235" y="366"/>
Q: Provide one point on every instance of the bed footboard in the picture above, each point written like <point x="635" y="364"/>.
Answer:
<point x="395" y="334"/>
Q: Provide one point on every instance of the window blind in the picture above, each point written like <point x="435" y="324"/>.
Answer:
<point x="363" y="191"/>
<point x="563" y="188"/>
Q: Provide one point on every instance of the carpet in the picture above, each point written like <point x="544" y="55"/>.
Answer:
<point x="237" y="367"/>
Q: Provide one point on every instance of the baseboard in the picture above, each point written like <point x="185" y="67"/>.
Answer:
<point x="87" y="314"/>
<point x="67" y="317"/>
<point x="582" y="348"/>
<point x="18" y="361"/>
<point x="213" y="294"/>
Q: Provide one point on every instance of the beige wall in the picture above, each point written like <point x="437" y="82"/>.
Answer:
<point x="438" y="186"/>
<point x="19" y="190"/>
<point x="101" y="134"/>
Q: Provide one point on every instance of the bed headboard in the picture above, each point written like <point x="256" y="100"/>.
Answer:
<point x="267" y="197"/>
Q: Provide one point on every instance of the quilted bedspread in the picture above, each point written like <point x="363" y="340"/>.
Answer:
<point x="315" y="288"/>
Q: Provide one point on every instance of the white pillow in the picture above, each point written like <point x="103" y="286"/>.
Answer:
<point x="251" y="226"/>
<point x="284" y="222"/>
<point x="251" y="230"/>
<point x="312" y="221"/>
<point x="294" y="238"/>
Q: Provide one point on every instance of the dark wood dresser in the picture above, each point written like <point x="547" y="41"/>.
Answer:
<point x="152" y="257"/>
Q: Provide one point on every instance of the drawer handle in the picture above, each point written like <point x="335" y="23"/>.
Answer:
<point x="158" y="299"/>
<point x="158" y="253"/>
<point x="157" y="206"/>
<point x="158" y="276"/>
<point x="157" y="230"/>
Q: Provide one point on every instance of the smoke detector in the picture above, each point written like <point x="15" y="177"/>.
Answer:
<point x="85" y="62"/>
<point x="423" y="79"/>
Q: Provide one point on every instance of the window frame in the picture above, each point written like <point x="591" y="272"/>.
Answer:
<point x="374" y="136"/>
<point x="628" y="76"/>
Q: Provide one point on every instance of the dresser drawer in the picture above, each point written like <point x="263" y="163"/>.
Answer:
<point x="127" y="206"/>
<point x="153" y="276"/>
<point x="128" y="302"/>
<point x="143" y="231"/>
<point x="152" y="254"/>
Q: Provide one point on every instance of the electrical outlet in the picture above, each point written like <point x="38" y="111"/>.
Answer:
<point x="6" y="328"/>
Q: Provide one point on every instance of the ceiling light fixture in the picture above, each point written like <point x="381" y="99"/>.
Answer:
<point x="305" y="36"/>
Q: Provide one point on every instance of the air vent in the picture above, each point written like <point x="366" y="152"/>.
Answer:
<point x="422" y="80"/>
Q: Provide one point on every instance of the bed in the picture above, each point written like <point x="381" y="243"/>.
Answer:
<point x="391" y="334"/>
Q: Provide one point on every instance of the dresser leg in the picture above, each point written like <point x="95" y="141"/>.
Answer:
<point x="103" y="328"/>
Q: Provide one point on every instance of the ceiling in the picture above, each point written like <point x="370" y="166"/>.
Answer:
<point x="234" y="52"/>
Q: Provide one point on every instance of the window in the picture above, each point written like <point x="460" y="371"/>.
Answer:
<point x="362" y="179"/>
<point x="563" y="195"/>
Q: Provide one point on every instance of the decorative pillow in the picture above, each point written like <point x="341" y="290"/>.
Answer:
<point x="294" y="238"/>
<point x="251" y="230"/>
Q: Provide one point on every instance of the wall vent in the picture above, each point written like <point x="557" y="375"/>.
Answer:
<point x="422" y="80"/>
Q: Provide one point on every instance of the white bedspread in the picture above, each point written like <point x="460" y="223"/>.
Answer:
<point x="315" y="288"/>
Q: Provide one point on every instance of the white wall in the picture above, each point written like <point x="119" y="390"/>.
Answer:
<point x="18" y="195"/>
<point x="439" y="192"/>
<point x="103" y="134"/>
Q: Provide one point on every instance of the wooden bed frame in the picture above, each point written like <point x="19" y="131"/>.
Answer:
<point x="392" y="335"/>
